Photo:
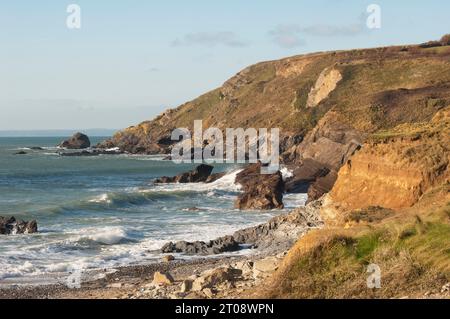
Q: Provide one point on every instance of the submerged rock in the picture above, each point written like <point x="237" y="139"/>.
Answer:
<point x="76" y="142"/>
<point x="12" y="226"/>
<point x="21" y="153"/>
<point x="200" y="174"/>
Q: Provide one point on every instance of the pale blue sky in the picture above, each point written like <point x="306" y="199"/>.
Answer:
<point x="131" y="59"/>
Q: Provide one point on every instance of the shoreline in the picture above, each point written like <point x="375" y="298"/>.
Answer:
<point x="272" y="240"/>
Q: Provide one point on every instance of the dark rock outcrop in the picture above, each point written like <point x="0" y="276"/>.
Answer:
<point x="279" y="233"/>
<point x="217" y="246"/>
<point x="304" y="174"/>
<point x="200" y="174"/>
<point x="321" y="186"/>
<point x="320" y="155"/>
<point x="12" y="226"/>
<point x="95" y="152"/>
<point x="76" y="142"/>
<point x="261" y="191"/>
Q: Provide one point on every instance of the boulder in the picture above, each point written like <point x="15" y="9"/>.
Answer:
<point x="168" y="258"/>
<point x="186" y="285"/>
<point x="162" y="279"/>
<point x="245" y="266"/>
<point x="260" y="191"/>
<point x="77" y="141"/>
<point x="12" y="226"/>
<point x="200" y="174"/>
<point x="265" y="265"/>
<point x="214" y="277"/>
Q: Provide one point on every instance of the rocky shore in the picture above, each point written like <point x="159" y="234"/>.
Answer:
<point x="217" y="276"/>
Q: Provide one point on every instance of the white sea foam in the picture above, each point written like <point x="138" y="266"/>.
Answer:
<point x="10" y="271"/>
<point x="105" y="235"/>
<point x="292" y="200"/>
<point x="225" y="183"/>
<point x="286" y="173"/>
<point x="103" y="198"/>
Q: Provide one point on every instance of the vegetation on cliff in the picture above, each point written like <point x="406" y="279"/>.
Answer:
<point x="372" y="127"/>
<point x="369" y="90"/>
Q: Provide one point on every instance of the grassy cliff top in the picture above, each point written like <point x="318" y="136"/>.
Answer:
<point x="376" y="89"/>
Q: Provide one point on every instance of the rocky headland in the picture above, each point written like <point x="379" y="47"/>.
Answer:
<point x="365" y="133"/>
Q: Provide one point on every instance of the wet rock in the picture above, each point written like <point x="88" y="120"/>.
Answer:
<point x="199" y="174"/>
<point x="77" y="141"/>
<point x="12" y="226"/>
<point x="217" y="246"/>
<point x="260" y="191"/>
<point x="162" y="279"/>
<point x="21" y="153"/>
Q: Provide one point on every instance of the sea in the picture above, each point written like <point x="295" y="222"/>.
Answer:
<point x="105" y="212"/>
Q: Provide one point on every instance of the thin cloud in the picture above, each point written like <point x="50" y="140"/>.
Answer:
<point x="287" y="36"/>
<point x="211" y="39"/>
<point x="153" y="69"/>
<point x="293" y="35"/>
<point x="332" y="31"/>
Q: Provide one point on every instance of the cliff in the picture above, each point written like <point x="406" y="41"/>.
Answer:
<point x="394" y="169"/>
<point x="330" y="100"/>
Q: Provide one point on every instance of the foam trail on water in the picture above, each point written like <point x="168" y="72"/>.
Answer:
<point x="226" y="183"/>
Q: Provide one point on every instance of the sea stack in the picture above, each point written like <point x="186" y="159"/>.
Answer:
<point x="76" y="142"/>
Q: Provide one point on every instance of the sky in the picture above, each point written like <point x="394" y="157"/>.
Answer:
<point x="132" y="59"/>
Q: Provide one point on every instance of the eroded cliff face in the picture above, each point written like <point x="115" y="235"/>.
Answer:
<point x="395" y="168"/>
<point x="326" y="83"/>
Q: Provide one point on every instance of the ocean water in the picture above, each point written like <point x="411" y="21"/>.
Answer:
<point x="104" y="212"/>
